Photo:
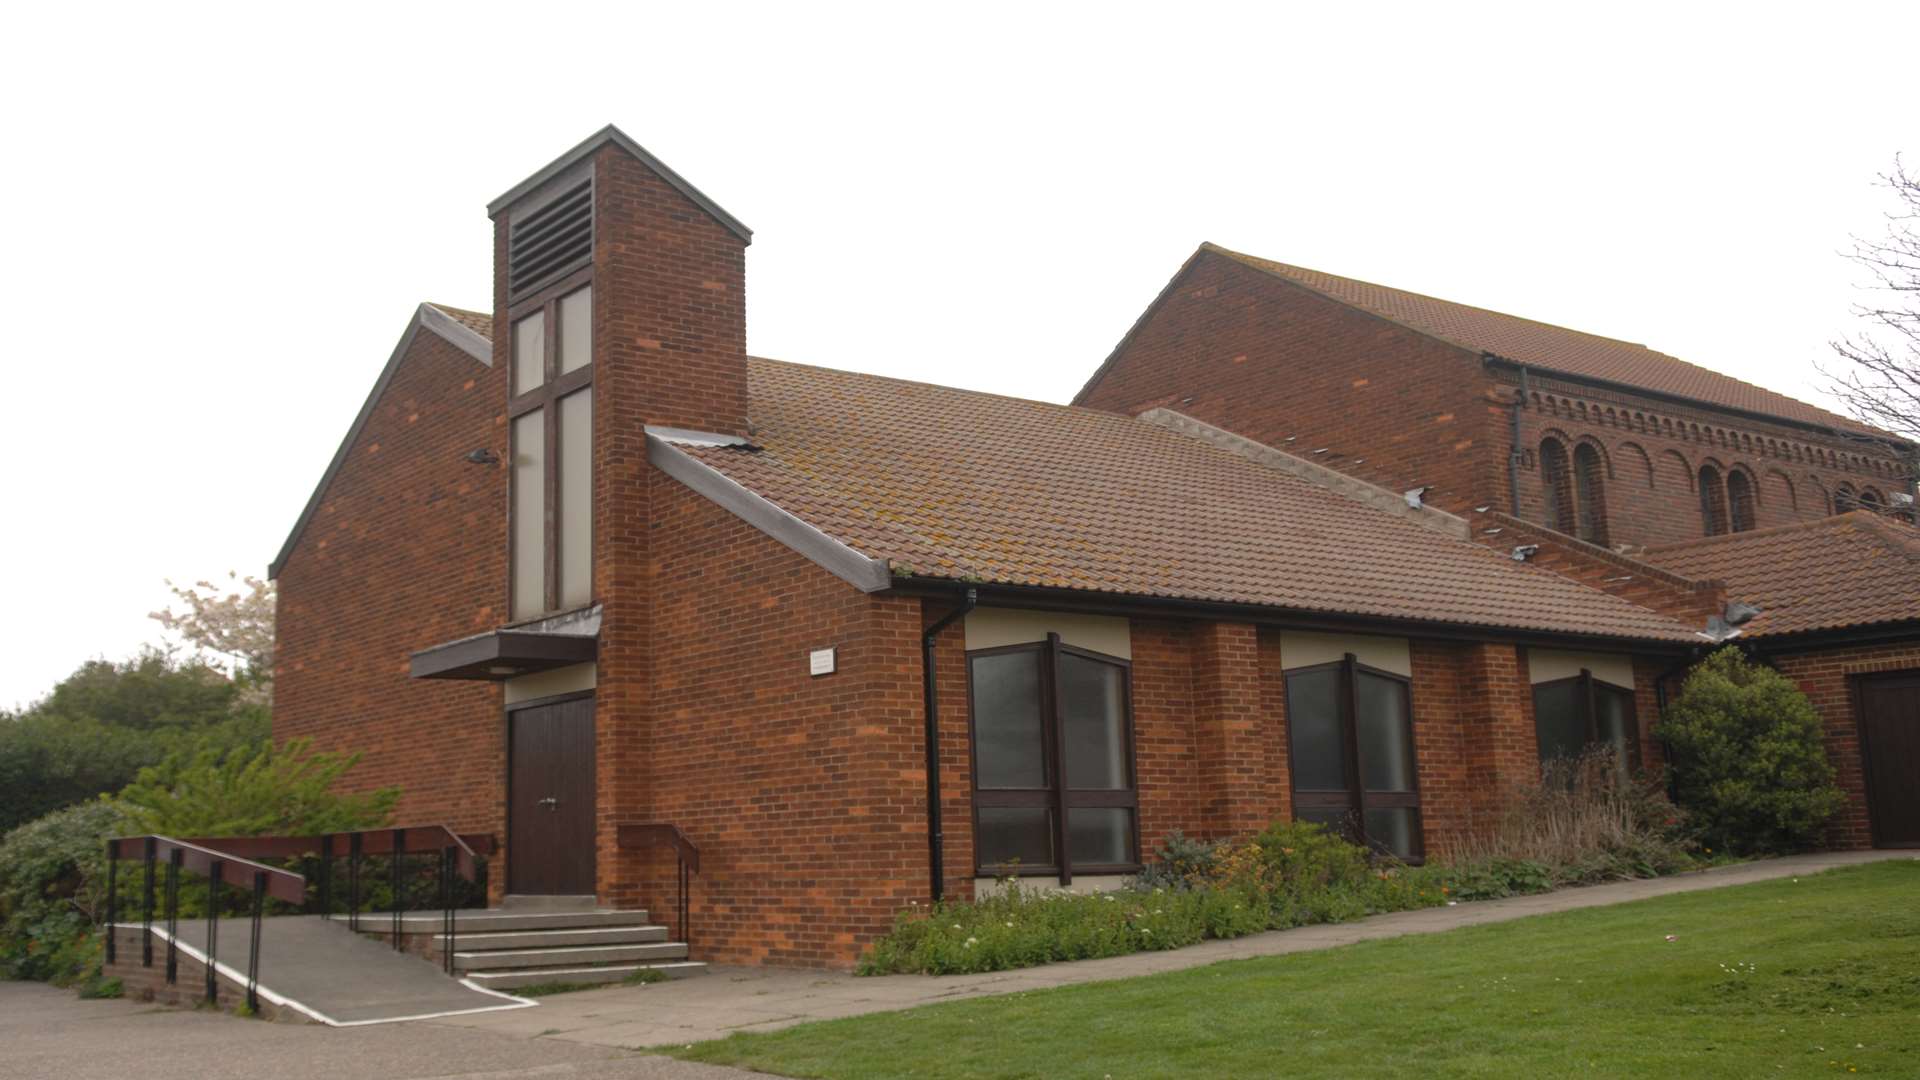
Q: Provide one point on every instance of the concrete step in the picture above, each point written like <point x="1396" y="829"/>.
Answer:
<point x="576" y="957"/>
<point x="495" y="920"/>
<point x="545" y="939"/>
<point x="613" y="973"/>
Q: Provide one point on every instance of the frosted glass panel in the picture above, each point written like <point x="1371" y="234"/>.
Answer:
<point x="1022" y="834"/>
<point x="530" y="352"/>
<point x="1386" y="737"/>
<point x="1100" y="836"/>
<point x="529" y="514"/>
<point x="1395" y="830"/>
<point x="1560" y="719"/>
<point x="1313" y="716"/>
<point x="1007" y="745"/>
<point x="1614" y="722"/>
<point x="576" y="498"/>
<point x="576" y="330"/>
<point x="1093" y="719"/>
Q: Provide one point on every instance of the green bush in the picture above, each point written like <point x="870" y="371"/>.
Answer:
<point x="1293" y="874"/>
<point x="266" y="791"/>
<point x="1749" y="757"/>
<point x="53" y="893"/>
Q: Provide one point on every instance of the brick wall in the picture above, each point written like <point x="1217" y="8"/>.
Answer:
<point x="407" y="550"/>
<point x="1824" y="677"/>
<point x="1282" y="365"/>
<point x="804" y="794"/>
<point x="1653" y="450"/>
<point x="139" y="982"/>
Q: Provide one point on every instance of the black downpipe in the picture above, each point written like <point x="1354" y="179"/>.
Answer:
<point x="1513" y="455"/>
<point x="936" y="847"/>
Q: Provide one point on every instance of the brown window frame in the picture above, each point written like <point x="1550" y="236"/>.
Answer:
<point x="1356" y="799"/>
<point x="1056" y="797"/>
<point x="1590" y="689"/>
<point x="553" y="386"/>
<point x="1741" y="501"/>
<point x="1589" y="470"/>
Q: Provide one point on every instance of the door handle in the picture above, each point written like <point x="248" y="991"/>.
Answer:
<point x="550" y="803"/>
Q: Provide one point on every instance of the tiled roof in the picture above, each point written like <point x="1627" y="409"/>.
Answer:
<point x="1548" y="347"/>
<point x="961" y="485"/>
<point x="477" y="321"/>
<point x="1855" y="569"/>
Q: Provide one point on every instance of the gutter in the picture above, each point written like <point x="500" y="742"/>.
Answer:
<point x="930" y="694"/>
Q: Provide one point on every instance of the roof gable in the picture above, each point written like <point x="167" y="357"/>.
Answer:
<point x="468" y="331"/>
<point x="1550" y="348"/>
<point x="611" y="135"/>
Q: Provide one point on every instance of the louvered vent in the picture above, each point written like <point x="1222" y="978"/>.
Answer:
<point x="551" y="241"/>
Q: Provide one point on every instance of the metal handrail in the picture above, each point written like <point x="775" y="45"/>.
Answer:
<point x="213" y="856"/>
<point x="650" y="834"/>
<point x="458" y="857"/>
<point x="200" y="858"/>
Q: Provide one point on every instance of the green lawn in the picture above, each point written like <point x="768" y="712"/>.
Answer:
<point x="1819" y="976"/>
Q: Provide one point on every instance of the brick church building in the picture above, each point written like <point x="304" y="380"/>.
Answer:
<point x="1303" y="547"/>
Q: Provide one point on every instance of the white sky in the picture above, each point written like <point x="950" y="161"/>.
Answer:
<point x="222" y="217"/>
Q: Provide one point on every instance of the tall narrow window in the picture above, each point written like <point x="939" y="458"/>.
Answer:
<point x="1052" y="762"/>
<point x="1573" y="715"/>
<point x="552" y="430"/>
<point x="1351" y="735"/>
<point x="1739" y="501"/>
<point x="1556" y="485"/>
<point x="1713" y="501"/>
<point x="1590" y="499"/>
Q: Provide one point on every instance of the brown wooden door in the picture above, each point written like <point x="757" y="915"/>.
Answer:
<point x="1890" y="735"/>
<point x="550" y="799"/>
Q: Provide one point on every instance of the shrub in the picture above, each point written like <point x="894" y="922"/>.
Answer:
<point x="1585" y="822"/>
<point x="264" y="791"/>
<point x="1179" y="863"/>
<point x="53" y="892"/>
<point x="1749" y="757"/>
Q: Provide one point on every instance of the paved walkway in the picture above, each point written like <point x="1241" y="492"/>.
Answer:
<point x="322" y="969"/>
<point x="755" y="999"/>
<point x="48" y="1034"/>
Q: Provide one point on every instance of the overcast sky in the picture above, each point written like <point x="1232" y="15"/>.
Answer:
<point x="220" y="219"/>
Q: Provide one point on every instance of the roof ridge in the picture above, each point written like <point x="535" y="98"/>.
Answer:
<point x="1288" y="272"/>
<point x="1321" y="476"/>
<point x="1830" y="521"/>
<point x="1066" y="407"/>
<point x="1252" y="259"/>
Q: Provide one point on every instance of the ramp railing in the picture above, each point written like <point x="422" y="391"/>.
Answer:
<point x="215" y="857"/>
<point x="182" y="855"/>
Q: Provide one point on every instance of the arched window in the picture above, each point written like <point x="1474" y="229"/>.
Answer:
<point x="1713" y="501"/>
<point x="1844" y="499"/>
<point x="1590" y="495"/>
<point x="1739" y="500"/>
<point x="1556" y="485"/>
<point x="1871" y="500"/>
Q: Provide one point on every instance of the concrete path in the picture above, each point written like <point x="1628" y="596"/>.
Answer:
<point x="48" y="1034"/>
<point x="322" y="969"/>
<point x="755" y="999"/>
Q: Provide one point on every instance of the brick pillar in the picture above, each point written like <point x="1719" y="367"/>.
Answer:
<point x="1232" y="749"/>
<point x="1497" y="725"/>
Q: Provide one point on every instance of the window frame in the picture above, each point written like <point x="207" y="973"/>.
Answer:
<point x="546" y="398"/>
<point x="1589" y="690"/>
<point x="1356" y="798"/>
<point x="1056" y="796"/>
<point x="1588" y="468"/>
<point x="1556" y="481"/>
<point x="1742" y="501"/>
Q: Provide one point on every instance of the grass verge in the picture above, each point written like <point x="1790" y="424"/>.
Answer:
<point x="1814" y="976"/>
